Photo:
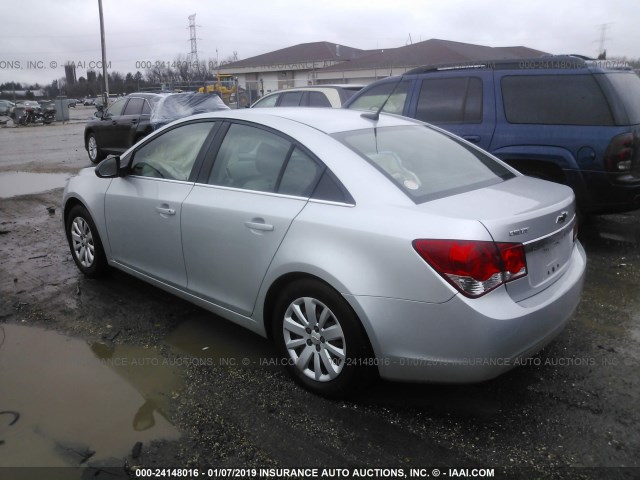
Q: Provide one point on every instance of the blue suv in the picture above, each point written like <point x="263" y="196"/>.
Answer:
<point x="566" y="119"/>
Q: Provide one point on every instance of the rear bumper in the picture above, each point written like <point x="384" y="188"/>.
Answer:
<point x="604" y="192"/>
<point x="467" y="340"/>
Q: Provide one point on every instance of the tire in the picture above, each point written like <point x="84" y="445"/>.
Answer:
<point x="95" y="154"/>
<point x="332" y="367"/>
<point x="84" y="242"/>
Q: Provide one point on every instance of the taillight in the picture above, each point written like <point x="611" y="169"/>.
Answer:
<point x="474" y="267"/>
<point x="619" y="153"/>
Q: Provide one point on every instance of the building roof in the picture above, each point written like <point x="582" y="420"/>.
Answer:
<point x="304" y="52"/>
<point x="430" y="52"/>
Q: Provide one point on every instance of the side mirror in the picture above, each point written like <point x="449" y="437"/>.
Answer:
<point x="109" y="168"/>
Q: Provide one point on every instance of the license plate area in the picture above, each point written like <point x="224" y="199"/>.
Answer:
<point x="548" y="258"/>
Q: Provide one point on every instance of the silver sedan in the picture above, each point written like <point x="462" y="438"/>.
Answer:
<point x="361" y="246"/>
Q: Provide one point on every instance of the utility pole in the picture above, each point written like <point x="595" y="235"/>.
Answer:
<point x="602" y="53"/>
<point x="105" y="95"/>
<point x="194" y="43"/>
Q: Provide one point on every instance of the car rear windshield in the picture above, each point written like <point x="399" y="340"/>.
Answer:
<point x="627" y="86"/>
<point x="425" y="164"/>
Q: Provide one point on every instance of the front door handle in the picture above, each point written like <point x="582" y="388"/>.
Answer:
<point x="258" y="224"/>
<point x="165" y="210"/>
<point x="472" y="138"/>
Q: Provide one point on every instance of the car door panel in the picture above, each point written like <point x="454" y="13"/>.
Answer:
<point x="143" y="210"/>
<point x="230" y="237"/>
<point x="143" y="218"/>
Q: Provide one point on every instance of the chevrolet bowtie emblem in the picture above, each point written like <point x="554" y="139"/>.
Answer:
<point x="562" y="217"/>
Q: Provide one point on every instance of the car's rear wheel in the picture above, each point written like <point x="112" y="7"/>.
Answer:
<point x="321" y="340"/>
<point x="95" y="154"/>
<point x="84" y="241"/>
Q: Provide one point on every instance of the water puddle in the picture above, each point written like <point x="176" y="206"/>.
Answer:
<point x="65" y="402"/>
<point x="13" y="184"/>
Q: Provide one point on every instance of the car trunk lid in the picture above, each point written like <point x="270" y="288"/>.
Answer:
<point x="537" y="214"/>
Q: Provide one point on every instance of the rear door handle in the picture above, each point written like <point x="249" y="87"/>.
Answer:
<point x="258" y="224"/>
<point x="165" y="211"/>
<point x="472" y="138"/>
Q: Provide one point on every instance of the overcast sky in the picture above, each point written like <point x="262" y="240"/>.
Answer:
<point x="37" y="35"/>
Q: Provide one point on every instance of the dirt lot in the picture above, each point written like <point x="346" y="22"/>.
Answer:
<point x="117" y="373"/>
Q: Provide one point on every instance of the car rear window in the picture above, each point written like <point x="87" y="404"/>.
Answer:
<point x="555" y="100"/>
<point x="423" y="163"/>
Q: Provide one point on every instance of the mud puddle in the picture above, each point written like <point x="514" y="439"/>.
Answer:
<point x="13" y="184"/>
<point x="66" y="402"/>
<point x="69" y="402"/>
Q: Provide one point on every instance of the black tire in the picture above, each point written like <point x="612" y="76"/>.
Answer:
<point x="96" y="155"/>
<point x="85" y="244"/>
<point x="333" y="317"/>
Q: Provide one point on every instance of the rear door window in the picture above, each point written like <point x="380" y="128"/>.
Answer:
<point x="318" y="99"/>
<point x="291" y="99"/>
<point x="450" y="100"/>
<point x="252" y="158"/>
<point x="555" y="100"/>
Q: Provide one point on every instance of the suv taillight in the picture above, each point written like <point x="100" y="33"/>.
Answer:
<point x="474" y="267"/>
<point x="619" y="153"/>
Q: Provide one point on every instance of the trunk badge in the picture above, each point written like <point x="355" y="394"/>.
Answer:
<point x="562" y="217"/>
<point x="518" y="231"/>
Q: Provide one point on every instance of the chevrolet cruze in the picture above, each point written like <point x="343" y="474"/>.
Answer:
<point x="361" y="244"/>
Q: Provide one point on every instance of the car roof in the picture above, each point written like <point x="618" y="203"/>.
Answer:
<point x="348" y="86"/>
<point x="548" y="62"/>
<point x="327" y="120"/>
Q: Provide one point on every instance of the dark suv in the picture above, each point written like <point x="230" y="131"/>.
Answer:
<point x="566" y="119"/>
<point x="133" y="117"/>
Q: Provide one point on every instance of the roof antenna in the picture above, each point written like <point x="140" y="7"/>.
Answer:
<point x="375" y="116"/>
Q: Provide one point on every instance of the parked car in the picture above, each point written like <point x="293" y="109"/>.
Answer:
<point x="347" y="240"/>
<point x="89" y="102"/>
<point x="332" y="96"/>
<point x="133" y="117"/>
<point x="565" y="119"/>
<point x="5" y="107"/>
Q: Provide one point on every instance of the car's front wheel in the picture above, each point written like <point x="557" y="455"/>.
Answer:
<point x="84" y="241"/>
<point x="95" y="154"/>
<point x="321" y="340"/>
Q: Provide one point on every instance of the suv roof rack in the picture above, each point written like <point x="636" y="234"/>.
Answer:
<point x="553" y="61"/>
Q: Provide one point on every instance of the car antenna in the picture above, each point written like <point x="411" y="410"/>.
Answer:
<point x="375" y="116"/>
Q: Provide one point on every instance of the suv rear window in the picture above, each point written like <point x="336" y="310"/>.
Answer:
<point x="627" y="87"/>
<point x="450" y="100"/>
<point x="555" y="100"/>
<point x="424" y="163"/>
